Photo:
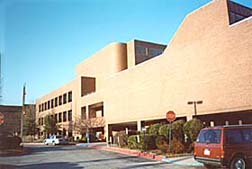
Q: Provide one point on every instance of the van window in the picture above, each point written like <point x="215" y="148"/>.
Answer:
<point x="247" y="135"/>
<point x="209" y="136"/>
<point x="239" y="136"/>
<point x="234" y="136"/>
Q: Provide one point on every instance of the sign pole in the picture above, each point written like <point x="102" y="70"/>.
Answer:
<point x="170" y="117"/>
<point x="170" y="132"/>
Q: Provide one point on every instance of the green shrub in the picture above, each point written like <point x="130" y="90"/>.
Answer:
<point x="164" y="130"/>
<point x="177" y="146"/>
<point x="120" y="139"/>
<point x="153" y="129"/>
<point x="177" y="130"/>
<point x="162" y="144"/>
<point x="132" y="142"/>
<point x="192" y="129"/>
<point x="147" y="142"/>
<point x="83" y="139"/>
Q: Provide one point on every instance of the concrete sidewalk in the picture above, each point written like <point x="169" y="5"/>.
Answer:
<point x="183" y="160"/>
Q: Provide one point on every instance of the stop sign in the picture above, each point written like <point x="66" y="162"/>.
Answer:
<point x="170" y="116"/>
<point x="1" y="118"/>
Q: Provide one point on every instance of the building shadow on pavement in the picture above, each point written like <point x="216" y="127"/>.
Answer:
<point x="53" y="165"/>
<point x="146" y="165"/>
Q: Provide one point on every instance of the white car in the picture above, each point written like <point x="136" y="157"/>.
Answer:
<point x="55" y="140"/>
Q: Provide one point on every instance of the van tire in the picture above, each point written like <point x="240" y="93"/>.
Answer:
<point x="238" y="162"/>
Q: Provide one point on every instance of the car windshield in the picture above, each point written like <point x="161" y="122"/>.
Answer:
<point x="209" y="136"/>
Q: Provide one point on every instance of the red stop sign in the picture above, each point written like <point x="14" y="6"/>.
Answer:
<point x="170" y="116"/>
<point x="1" y="118"/>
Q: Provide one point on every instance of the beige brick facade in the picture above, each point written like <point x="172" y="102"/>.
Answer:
<point x="208" y="59"/>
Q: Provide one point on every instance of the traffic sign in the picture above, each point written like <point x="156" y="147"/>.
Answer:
<point x="170" y="116"/>
<point x="1" y="118"/>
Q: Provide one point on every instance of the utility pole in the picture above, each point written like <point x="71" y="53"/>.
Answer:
<point x="23" y="112"/>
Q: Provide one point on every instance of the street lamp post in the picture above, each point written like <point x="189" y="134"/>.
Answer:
<point x="195" y="105"/>
<point x="22" y="113"/>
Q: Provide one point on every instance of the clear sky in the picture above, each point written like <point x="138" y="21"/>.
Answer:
<point x="42" y="41"/>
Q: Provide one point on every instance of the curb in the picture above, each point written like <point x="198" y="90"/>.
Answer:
<point x="176" y="160"/>
<point x="130" y="152"/>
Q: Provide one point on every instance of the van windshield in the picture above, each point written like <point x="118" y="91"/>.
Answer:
<point x="209" y="136"/>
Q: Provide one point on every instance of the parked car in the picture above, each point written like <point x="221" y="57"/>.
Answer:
<point x="55" y="140"/>
<point x="9" y="141"/>
<point x="229" y="146"/>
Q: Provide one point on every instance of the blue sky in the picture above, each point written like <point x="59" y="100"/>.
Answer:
<point x="42" y="41"/>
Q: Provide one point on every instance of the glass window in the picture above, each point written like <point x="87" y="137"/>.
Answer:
<point x="56" y="101"/>
<point x="64" y="98"/>
<point x="141" y="50"/>
<point x="247" y="135"/>
<point x="60" y="100"/>
<point x="155" y="52"/>
<point x="70" y="96"/>
<point x="70" y="115"/>
<point x="60" y="117"/>
<point x="209" y="136"/>
<point x="83" y="113"/>
<point x="234" y="136"/>
<point x="48" y="105"/>
<point x="64" y="116"/>
<point x="55" y="118"/>
<point x="52" y="103"/>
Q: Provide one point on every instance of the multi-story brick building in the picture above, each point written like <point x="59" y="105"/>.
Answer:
<point x="131" y="85"/>
<point x="12" y="117"/>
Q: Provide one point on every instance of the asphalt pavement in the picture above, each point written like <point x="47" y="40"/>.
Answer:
<point x="74" y="157"/>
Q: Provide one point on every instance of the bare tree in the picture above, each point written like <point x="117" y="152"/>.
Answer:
<point x="85" y="126"/>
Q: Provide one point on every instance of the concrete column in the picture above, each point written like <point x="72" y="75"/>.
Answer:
<point x="87" y="112"/>
<point x="106" y="132"/>
<point x="226" y="123"/>
<point x="240" y="122"/>
<point x="139" y="127"/>
<point x="211" y="123"/>
<point x="188" y="117"/>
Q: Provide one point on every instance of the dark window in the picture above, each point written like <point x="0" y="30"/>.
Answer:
<point x="239" y="136"/>
<point x="55" y="118"/>
<point x="209" y="136"/>
<point x="70" y="96"/>
<point x="247" y="135"/>
<point x="64" y="116"/>
<point x="48" y="104"/>
<point x="234" y="136"/>
<point x="60" y="100"/>
<point x="69" y="115"/>
<point x="56" y="101"/>
<point x="52" y="103"/>
<point x="64" y="98"/>
<point x="39" y="108"/>
<point x="60" y="117"/>
<point x="83" y="113"/>
<point x="42" y="121"/>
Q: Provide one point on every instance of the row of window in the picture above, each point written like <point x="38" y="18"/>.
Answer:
<point x="58" y="117"/>
<point x="57" y="101"/>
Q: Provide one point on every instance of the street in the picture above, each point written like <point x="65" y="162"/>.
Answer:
<point x="73" y="157"/>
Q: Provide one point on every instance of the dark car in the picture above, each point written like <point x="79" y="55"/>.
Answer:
<point x="9" y="141"/>
<point x="229" y="146"/>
